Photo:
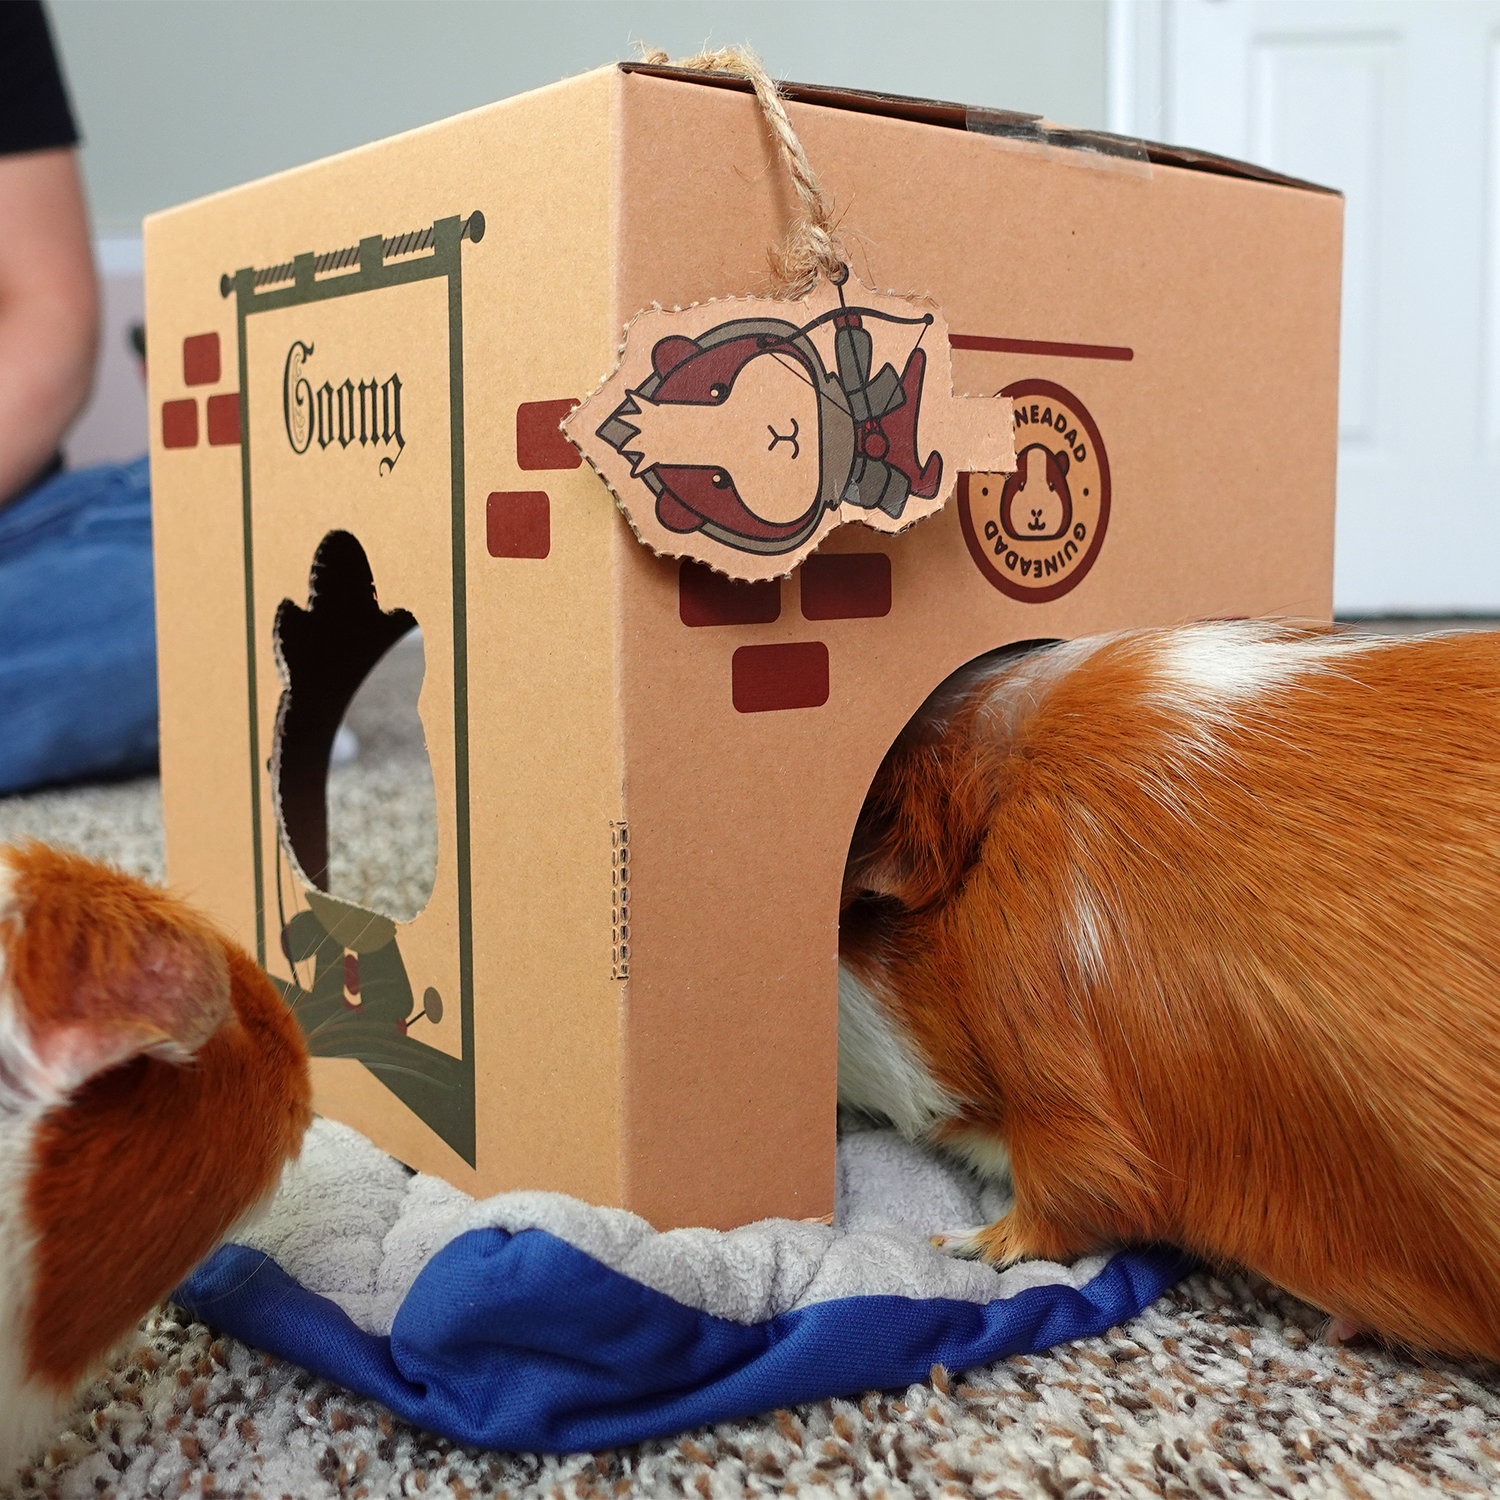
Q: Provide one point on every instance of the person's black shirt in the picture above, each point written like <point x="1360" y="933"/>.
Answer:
<point x="34" y="113"/>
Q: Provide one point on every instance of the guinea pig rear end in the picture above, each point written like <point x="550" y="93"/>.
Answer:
<point x="152" y="1086"/>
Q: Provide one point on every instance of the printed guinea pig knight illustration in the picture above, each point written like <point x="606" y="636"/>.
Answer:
<point x="849" y="437"/>
<point x="743" y="440"/>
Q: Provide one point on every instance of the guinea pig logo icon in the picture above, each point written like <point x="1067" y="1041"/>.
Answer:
<point x="1034" y="503"/>
<point x="1035" y="533"/>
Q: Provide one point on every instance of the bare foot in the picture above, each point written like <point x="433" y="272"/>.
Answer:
<point x="1341" y="1331"/>
<point x="961" y="1244"/>
<point x="1000" y="1244"/>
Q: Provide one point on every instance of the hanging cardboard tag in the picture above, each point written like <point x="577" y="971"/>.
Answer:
<point x="741" y="432"/>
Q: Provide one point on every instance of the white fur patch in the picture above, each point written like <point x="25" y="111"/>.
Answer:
<point x="28" y="1085"/>
<point x="1207" y="670"/>
<point x="18" y="1061"/>
<point x="880" y="1071"/>
<point x="1210" y="666"/>
<point x="1089" y="933"/>
<point x="1212" y="673"/>
<point x="987" y="1154"/>
<point x="29" y="1410"/>
<point x="1220" y="673"/>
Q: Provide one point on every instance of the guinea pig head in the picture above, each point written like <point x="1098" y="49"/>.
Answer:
<point x="933" y="800"/>
<point x="152" y="1086"/>
<point x="927" y="809"/>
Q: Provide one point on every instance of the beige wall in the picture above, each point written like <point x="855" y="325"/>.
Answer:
<point x="178" y="98"/>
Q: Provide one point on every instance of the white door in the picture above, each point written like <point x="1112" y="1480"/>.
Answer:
<point x="1396" y="103"/>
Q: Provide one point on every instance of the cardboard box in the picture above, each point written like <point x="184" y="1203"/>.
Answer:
<point x="647" y="776"/>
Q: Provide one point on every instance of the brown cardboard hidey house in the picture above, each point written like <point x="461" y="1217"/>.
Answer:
<point x="623" y="984"/>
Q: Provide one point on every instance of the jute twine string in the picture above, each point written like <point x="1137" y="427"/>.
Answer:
<point x="812" y="246"/>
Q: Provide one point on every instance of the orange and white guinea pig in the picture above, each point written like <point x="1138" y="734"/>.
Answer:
<point x="152" y="1085"/>
<point x="1196" y="933"/>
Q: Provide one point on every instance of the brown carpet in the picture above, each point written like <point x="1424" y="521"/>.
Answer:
<point x="1220" y="1389"/>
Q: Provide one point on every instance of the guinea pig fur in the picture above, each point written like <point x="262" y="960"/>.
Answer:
<point x="1197" y="932"/>
<point x="152" y="1085"/>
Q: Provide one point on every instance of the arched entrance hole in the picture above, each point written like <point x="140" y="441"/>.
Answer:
<point x="869" y="916"/>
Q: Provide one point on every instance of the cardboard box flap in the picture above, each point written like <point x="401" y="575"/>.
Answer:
<point x="1012" y="124"/>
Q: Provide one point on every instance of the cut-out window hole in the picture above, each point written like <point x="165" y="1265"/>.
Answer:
<point x="352" y="779"/>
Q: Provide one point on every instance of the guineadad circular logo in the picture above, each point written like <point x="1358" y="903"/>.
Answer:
<point x="1036" y="532"/>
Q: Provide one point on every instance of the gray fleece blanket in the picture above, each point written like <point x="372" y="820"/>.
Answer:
<point x="532" y="1320"/>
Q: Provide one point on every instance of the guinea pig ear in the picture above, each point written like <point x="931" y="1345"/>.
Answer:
<point x="918" y="832"/>
<point x="928" y="809"/>
<point x="876" y="866"/>
<point x="166" y="1007"/>
<point x="96" y="969"/>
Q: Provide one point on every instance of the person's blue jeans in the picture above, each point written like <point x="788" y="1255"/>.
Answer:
<point x="77" y="629"/>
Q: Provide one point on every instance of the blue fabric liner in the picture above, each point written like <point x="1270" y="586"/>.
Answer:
<point x="523" y="1342"/>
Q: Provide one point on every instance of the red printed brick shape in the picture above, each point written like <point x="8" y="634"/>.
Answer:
<point x="179" y="424"/>
<point x="518" y="523"/>
<point x="539" y="443"/>
<point x="224" y="420"/>
<point x="200" y="359"/>
<point x="708" y="598"/>
<point x="846" y="586"/>
<point x="794" y="675"/>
